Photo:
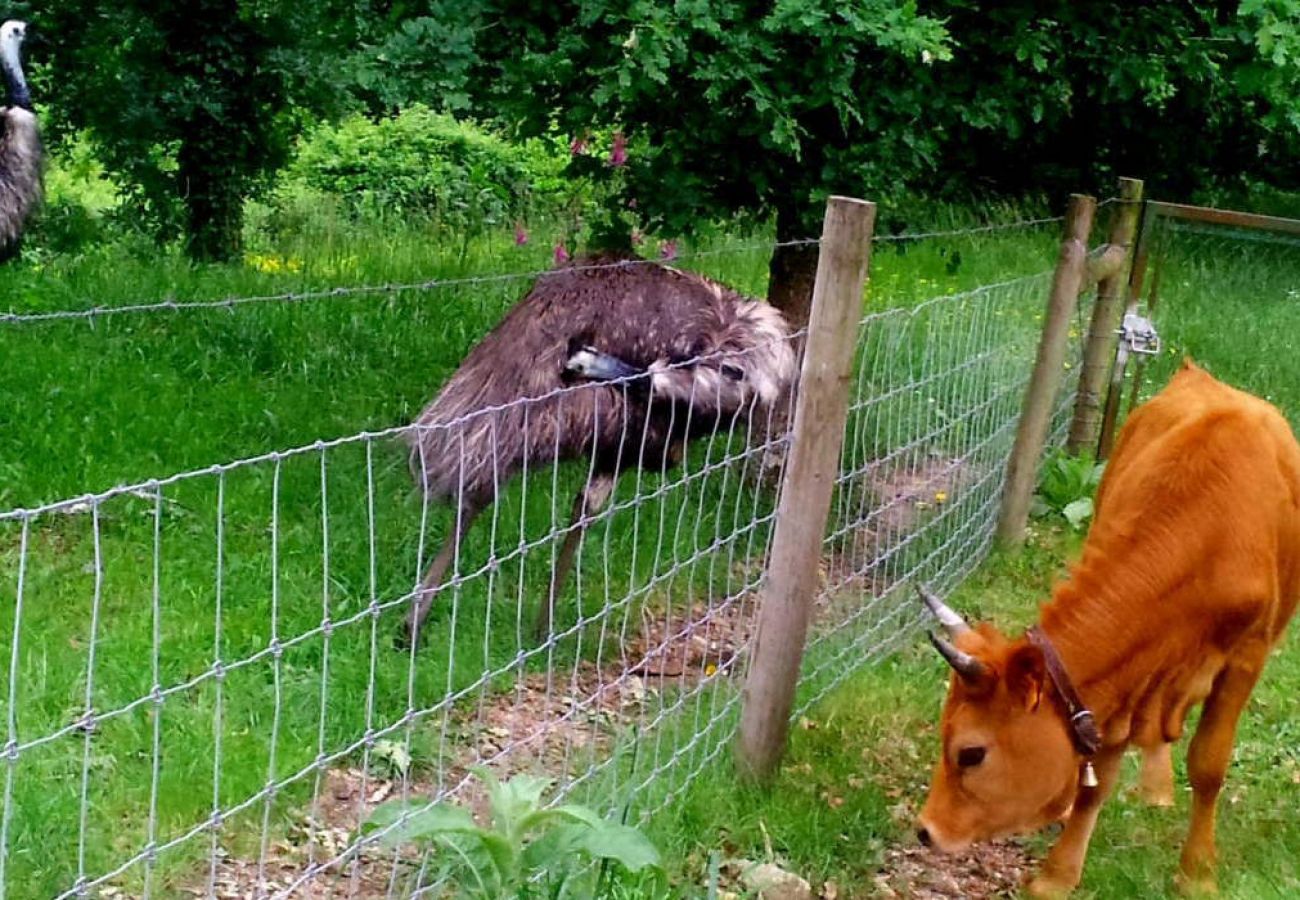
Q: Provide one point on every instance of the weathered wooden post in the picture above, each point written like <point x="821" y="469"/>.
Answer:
<point x="1040" y="397"/>
<point x="1099" y="352"/>
<point x="811" y="468"/>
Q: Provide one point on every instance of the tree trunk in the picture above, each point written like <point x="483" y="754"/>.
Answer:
<point x="793" y="269"/>
<point x="791" y="275"/>
<point x="211" y="191"/>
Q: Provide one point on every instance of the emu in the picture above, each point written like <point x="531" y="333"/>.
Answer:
<point x="611" y="359"/>
<point x="20" y="144"/>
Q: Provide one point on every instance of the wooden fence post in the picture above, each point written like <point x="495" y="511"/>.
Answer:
<point x="821" y="410"/>
<point x="1040" y="396"/>
<point x="1099" y="353"/>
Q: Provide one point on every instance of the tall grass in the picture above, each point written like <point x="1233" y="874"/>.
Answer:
<point x="861" y="760"/>
<point x="123" y="399"/>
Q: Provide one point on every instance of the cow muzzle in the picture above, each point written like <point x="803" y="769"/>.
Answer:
<point x="934" y="838"/>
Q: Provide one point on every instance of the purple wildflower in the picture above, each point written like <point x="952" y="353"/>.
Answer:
<point x="579" y="146"/>
<point x="561" y="254"/>
<point x="668" y="250"/>
<point x="521" y="235"/>
<point x="618" y="153"/>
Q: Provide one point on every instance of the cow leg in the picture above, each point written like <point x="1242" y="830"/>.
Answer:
<point x="1207" y="763"/>
<point x="428" y="589"/>
<point x="590" y="500"/>
<point x="1064" y="865"/>
<point x="1156" y="782"/>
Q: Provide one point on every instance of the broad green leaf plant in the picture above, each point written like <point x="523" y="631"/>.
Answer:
<point x="1067" y="487"/>
<point x="528" y="850"/>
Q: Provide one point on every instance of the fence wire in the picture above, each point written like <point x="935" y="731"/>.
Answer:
<point x="203" y="693"/>
<point x="1245" y="280"/>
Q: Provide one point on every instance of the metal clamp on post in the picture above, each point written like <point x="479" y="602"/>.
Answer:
<point x="1138" y="335"/>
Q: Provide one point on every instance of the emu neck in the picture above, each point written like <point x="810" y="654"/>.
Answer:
<point x="15" y="84"/>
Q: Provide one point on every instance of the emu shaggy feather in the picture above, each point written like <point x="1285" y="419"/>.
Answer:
<point x="705" y="357"/>
<point x="20" y="172"/>
<point x="474" y="435"/>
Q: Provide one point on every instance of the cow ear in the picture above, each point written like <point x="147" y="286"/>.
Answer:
<point x="1027" y="675"/>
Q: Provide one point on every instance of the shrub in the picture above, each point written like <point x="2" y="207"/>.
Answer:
<point x="422" y="162"/>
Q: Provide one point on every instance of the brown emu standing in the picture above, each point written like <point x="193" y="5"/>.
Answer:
<point x="20" y="145"/>
<point x="612" y="359"/>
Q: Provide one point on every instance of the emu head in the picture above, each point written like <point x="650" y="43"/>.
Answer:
<point x="12" y="34"/>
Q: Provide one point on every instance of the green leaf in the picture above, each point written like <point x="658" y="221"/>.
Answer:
<point x="622" y="844"/>
<point x="514" y="800"/>
<point x="569" y="814"/>
<point x="552" y="851"/>
<point x="408" y="821"/>
<point x="1078" y="512"/>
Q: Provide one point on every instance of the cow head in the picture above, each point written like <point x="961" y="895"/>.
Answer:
<point x="1008" y="763"/>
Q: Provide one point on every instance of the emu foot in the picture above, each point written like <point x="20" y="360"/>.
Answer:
<point x="404" y="638"/>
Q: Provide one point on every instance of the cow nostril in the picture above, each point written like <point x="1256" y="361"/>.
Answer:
<point x="923" y="835"/>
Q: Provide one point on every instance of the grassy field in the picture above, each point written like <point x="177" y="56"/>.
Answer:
<point x="145" y="593"/>
<point x="859" y="767"/>
<point x="123" y="399"/>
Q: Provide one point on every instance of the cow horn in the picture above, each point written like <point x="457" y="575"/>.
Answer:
<point x="965" y="665"/>
<point x="952" y="623"/>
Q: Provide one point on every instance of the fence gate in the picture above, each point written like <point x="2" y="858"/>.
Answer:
<point x="1173" y="245"/>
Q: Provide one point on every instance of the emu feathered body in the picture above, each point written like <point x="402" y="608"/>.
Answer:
<point x="709" y="354"/>
<point x="20" y="143"/>
<point x="611" y="359"/>
<point x="20" y="172"/>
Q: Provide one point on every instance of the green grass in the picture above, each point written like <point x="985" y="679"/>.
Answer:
<point x="124" y="399"/>
<point x="128" y="398"/>
<point x="858" y="771"/>
<point x="860" y="762"/>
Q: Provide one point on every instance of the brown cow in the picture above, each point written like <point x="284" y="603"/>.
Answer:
<point x="1188" y="577"/>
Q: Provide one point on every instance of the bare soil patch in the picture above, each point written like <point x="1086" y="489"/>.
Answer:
<point x="990" y="870"/>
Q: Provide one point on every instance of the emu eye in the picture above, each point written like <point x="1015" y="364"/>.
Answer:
<point x="969" y="757"/>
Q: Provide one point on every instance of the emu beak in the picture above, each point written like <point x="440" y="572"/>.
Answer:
<point x="590" y="363"/>
<point x="952" y="623"/>
<point x="968" y="667"/>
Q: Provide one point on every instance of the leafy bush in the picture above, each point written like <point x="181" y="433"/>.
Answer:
<point x="1067" y="487"/>
<point x="424" y="162"/>
<point x="528" y="850"/>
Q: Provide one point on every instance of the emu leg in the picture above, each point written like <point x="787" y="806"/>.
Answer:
<point x="591" y="499"/>
<point x="1156" y="782"/>
<point x="1207" y="763"/>
<point x="424" y="594"/>
<point x="1064" y="865"/>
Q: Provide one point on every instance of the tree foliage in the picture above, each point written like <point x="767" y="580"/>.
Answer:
<point x="725" y="107"/>
<point x="733" y="106"/>
<point x="189" y="102"/>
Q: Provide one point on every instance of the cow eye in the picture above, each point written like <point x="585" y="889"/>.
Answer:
<point x="969" y="757"/>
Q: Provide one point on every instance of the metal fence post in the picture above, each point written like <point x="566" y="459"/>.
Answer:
<point x="821" y="411"/>
<point x="1040" y="396"/>
<point x="1099" y="353"/>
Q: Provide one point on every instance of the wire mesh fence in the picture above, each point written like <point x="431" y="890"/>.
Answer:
<point x="203" y="693"/>
<point x="1223" y="290"/>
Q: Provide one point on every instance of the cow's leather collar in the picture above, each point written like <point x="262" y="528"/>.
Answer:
<point x="1083" y="728"/>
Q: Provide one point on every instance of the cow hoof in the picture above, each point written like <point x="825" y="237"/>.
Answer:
<point x="1045" y="887"/>
<point x="1196" y="885"/>
<point x="1158" y="800"/>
